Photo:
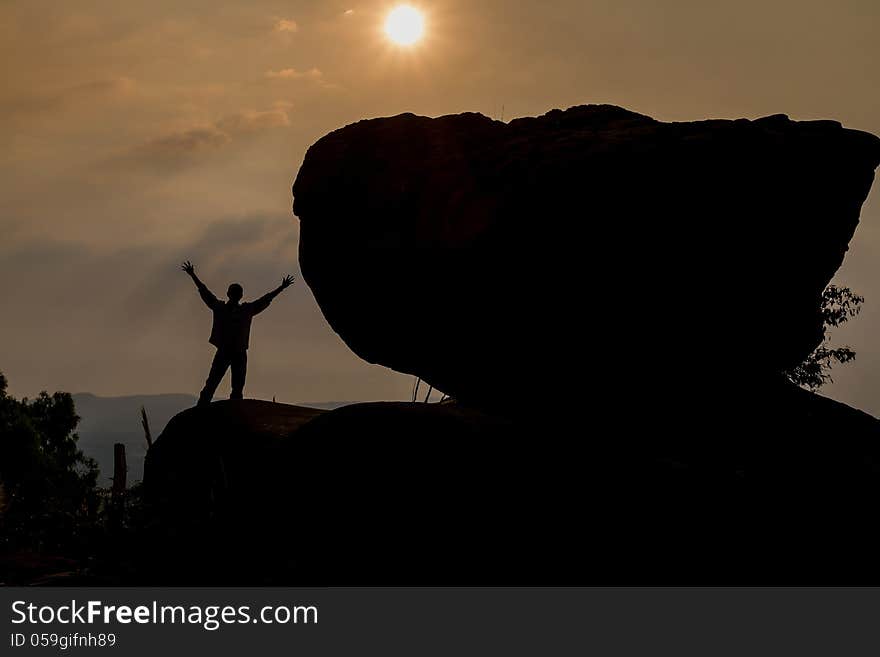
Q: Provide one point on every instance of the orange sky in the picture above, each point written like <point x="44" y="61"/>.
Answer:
<point x="134" y="135"/>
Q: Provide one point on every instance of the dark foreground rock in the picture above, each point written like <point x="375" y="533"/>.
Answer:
<point x="592" y="246"/>
<point x="610" y="299"/>
<point x="396" y="493"/>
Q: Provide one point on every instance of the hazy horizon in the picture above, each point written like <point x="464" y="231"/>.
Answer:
<point x="194" y="397"/>
<point x="139" y="135"/>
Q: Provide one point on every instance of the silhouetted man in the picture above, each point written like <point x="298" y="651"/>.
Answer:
<point x="230" y="332"/>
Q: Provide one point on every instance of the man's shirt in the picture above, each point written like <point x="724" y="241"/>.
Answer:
<point x="232" y="322"/>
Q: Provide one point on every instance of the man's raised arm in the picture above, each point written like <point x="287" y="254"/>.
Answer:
<point x="210" y="300"/>
<point x="263" y="302"/>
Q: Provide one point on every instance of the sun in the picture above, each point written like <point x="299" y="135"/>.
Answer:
<point x="405" y="25"/>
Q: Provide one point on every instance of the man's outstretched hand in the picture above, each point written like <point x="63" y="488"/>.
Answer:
<point x="188" y="268"/>
<point x="287" y="281"/>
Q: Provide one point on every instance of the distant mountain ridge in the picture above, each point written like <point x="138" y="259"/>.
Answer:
<point x="108" y="420"/>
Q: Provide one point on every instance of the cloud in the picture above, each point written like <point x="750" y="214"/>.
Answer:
<point x="189" y="141"/>
<point x="312" y="75"/>
<point x="250" y="121"/>
<point x="286" y="25"/>
<point x="112" y="302"/>
<point x="60" y="99"/>
<point x="185" y="147"/>
<point x="251" y="248"/>
<point x="146" y="287"/>
<point x="293" y="74"/>
<point x="112" y="86"/>
<point x="125" y="320"/>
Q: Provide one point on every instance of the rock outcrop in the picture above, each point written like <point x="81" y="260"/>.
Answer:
<point x="249" y="492"/>
<point x="587" y="248"/>
<point x="222" y="486"/>
<point x="610" y="300"/>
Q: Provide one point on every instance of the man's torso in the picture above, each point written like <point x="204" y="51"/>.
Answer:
<point x="232" y="326"/>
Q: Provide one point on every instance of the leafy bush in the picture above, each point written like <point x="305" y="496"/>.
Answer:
<point x="839" y="304"/>
<point x="50" y="498"/>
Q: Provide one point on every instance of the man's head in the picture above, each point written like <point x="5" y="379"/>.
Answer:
<point x="235" y="292"/>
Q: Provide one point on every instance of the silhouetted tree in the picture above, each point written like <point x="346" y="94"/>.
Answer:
<point x="49" y="485"/>
<point x="839" y="304"/>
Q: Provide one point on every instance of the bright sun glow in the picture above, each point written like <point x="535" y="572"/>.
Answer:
<point x="405" y="25"/>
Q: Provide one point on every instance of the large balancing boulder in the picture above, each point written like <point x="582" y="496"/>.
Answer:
<point x="592" y="244"/>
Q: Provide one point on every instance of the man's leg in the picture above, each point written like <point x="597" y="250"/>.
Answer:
<point x="239" y="372"/>
<point x="218" y="368"/>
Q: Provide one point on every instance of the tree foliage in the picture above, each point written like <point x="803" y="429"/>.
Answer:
<point x="839" y="305"/>
<point x="49" y="486"/>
